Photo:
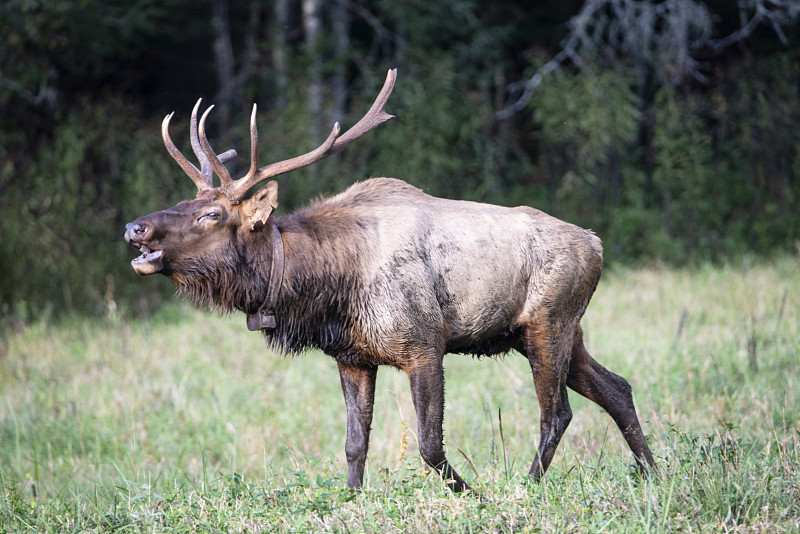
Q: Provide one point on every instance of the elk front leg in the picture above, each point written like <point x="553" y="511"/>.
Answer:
<point x="358" y="386"/>
<point x="427" y="392"/>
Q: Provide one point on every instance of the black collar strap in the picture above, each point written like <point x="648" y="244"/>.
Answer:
<point x="264" y="318"/>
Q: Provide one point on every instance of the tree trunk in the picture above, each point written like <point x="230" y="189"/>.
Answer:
<point x="312" y="25"/>
<point x="280" y="52"/>
<point x="340" y="21"/>
<point x="223" y="61"/>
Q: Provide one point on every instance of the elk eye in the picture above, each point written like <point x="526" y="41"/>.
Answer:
<point x="209" y="216"/>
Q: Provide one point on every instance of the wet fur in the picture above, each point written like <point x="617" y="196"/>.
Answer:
<point x="384" y="274"/>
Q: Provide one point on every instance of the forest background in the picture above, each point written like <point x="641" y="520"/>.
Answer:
<point x="670" y="128"/>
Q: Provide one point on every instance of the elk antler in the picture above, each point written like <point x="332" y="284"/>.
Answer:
<point x="236" y="189"/>
<point x="202" y="177"/>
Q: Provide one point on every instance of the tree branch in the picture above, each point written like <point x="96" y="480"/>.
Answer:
<point x="46" y="94"/>
<point x="663" y="37"/>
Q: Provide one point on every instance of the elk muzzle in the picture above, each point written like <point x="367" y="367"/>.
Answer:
<point x="137" y="234"/>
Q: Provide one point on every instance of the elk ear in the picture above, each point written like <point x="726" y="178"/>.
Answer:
<point x="259" y="207"/>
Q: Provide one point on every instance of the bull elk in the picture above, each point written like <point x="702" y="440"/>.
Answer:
<point x="384" y="274"/>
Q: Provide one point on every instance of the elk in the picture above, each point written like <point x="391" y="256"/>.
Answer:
<point x="384" y="274"/>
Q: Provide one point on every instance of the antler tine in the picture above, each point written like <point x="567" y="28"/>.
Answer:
<point x="201" y="180"/>
<point x="202" y="177"/>
<point x="241" y="186"/>
<point x="374" y="117"/>
<point x="253" y="150"/>
<point x="205" y="165"/>
<point x="216" y="162"/>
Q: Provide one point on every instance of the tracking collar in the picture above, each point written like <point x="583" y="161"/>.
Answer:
<point x="264" y="318"/>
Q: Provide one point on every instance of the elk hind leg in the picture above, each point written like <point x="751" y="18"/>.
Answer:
<point x="548" y="355"/>
<point x="613" y="393"/>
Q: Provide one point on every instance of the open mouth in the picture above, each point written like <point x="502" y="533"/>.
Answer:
<point x="149" y="262"/>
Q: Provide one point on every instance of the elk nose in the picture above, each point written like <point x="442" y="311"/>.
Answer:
<point x="137" y="231"/>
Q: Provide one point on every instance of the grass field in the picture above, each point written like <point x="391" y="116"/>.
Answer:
<point x="185" y="422"/>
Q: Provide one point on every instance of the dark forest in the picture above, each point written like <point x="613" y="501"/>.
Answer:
<point x="668" y="127"/>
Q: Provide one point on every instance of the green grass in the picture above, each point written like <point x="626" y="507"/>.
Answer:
<point x="185" y="422"/>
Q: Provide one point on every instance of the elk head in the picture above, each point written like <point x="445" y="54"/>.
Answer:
<point x="198" y="238"/>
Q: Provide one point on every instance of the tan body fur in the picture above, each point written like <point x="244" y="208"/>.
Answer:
<point x="384" y="274"/>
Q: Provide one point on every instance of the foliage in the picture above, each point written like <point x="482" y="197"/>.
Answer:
<point x="709" y="190"/>
<point x="585" y="124"/>
<point x="184" y="422"/>
<point x="71" y="206"/>
<point x="664" y="168"/>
